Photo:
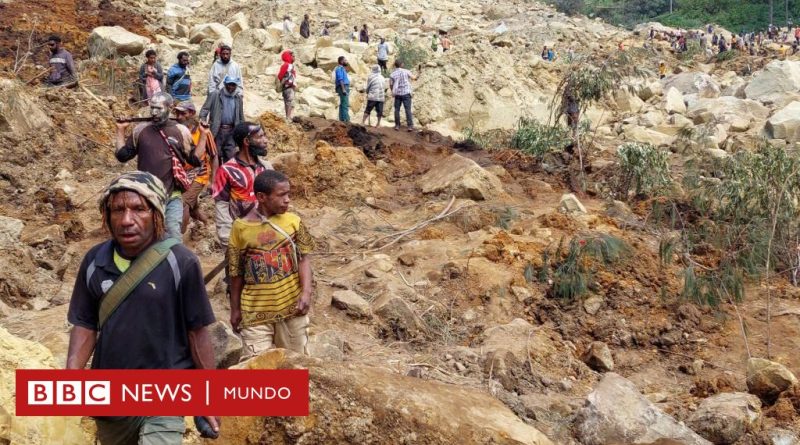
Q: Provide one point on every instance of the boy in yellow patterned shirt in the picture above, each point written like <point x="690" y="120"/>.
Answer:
<point x="270" y="271"/>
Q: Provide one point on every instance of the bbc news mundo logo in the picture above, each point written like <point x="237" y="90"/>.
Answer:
<point x="162" y="392"/>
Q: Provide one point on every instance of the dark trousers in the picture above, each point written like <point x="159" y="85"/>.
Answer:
<point x="405" y="101"/>
<point x="225" y="144"/>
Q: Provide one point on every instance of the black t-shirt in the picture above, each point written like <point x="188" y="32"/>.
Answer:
<point x="149" y="329"/>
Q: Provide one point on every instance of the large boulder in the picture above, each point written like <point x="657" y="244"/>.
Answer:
<point x="107" y="41"/>
<point x="238" y="23"/>
<point x="328" y="57"/>
<point x="216" y="32"/>
<point x="768" y="379"/>
<point x="615" y="412"/>
<point x="693" y="83"/>
<point x="648" y="136"/>
<point x="17" y="353"/>
<point x="461" y="177"/>
<point x="627" y="102"/>
<point x="353" y="403"/>
<point x="10" y="232"/>
<point x="317" y="98"/>
<point x="724" y="418"/>
<point x="256" y="40"/>
<point x="19" y="113"/>
<point x="778" y="78"/>
<point x="725" y="109"/>
<point x="673" y="101"/>
<point x="785" y="123"/>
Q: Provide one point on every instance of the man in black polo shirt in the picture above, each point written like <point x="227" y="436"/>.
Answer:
<point x="161" y="324"/>
<point x="155" y="144"/>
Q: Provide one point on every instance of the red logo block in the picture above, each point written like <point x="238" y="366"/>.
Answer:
<point x="162" y="392"/>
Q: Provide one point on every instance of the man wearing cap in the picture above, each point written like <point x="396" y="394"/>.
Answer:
<point x="186" y="114"/>
<point x="162" y="147"/>
<point x="159" y="323"/>
<point x="223" y="68"/>
<point x="223" y="110"/>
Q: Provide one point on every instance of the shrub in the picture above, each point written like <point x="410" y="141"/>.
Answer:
<point x="537" y="139"/>
<point x="410" y="54"/>
<point x="643" y="169"/>
<point x="572" y="275"/>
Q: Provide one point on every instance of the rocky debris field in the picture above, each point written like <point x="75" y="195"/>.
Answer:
<point x="434" y="319"/>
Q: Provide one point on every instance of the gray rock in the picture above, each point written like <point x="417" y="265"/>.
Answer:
<point x="724" y="418"/>
<point x="598" y="357"/>
<point x="592" y="304"/>
<point x="10" y="231"/>
<point x="398" y="317"/>
<point x="570" y="204"/>
<point x="461" y="177"/>
<point x="227" y="345"/>
<point x="107" y="41"/>
<point x="351" y="302"/>
<point x="768" y="379"/>
<point x="615" y="412"/>
<point x="780" y="436"/>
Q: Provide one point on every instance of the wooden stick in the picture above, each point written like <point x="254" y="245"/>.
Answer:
<point x="86" y="90"/>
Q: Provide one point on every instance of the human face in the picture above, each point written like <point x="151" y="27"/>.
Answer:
<point x="159" y="109"/>
<point x="184" y="117"/>
<point x="276" y="202"/>
<point x="53" y="45"/>
<point x="257" y="143"/>
<point x="131" y="222"/>
<point x="184" y="61"/>
<point x="151" y="59"/>
<point x="230" y="87"/>
<point x="225" y="55"/>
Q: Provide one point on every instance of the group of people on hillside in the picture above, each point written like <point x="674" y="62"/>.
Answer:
<point x="751" y="43"/>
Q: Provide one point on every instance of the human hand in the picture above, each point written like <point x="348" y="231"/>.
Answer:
<point x="122" y="126"/>
<point x="208" y="426"/>
<point x="236" y="319"/>
<point x="304" y="304"/>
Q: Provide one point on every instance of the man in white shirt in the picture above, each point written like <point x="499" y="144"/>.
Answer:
<point x="222" y="68"/>
<point x="383" y="55"/>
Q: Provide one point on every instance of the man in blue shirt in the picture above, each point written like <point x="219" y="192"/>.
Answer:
<point x="343" y="89"/>
<point x="179" y="82"/>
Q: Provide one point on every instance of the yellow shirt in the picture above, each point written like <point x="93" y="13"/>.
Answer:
<point x="121" y="263"/>
<point x="264" y="258"/>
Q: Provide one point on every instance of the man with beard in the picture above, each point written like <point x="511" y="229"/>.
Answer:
<point x="223" y="68"/>
<point x="162" y="147"/>
<point x="179" y="80"/>
<point x="233" y="184"/>
<point x="185" y="114"/>
<point x="62" y="67"/>
<point x="223" y="110"/>
<point x="342" y="84"/>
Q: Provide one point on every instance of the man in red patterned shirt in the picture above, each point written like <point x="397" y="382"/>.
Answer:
<point x="233" y="183"/>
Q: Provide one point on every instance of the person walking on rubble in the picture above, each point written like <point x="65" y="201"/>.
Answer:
<point x="186" y="114"/>
<point x="287" y="76"/>
<point x="376" y="95"/>
<point x="270" y="269"/>
<point x="161" y="147"/>
<point x="342" y="84"/>
<point x="400" y="83"/>
<point x="222" y="68"/>
<point x="62" y="66"/>
<point x="139" y="302"/>
<point x="223" y="110"/>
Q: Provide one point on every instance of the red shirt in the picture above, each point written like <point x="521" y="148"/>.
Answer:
<point x="234" y="183"/>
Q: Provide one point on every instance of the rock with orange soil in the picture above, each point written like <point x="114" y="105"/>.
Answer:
<point x="19" y="112"/>
<point x="726" y="417"/>
<point x="353" y="403"/>
<point x="616" y="412"/>
<point x="768" y="379"/>
<point x="16" y="353"/>
<point x="463" y="178"/>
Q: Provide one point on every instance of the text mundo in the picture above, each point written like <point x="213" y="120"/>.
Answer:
<point x="156" y="393"/>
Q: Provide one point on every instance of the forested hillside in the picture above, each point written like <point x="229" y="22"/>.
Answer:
<point x="731" y="14"/>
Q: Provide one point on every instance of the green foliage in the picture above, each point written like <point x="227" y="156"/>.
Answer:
<point x="643" y="168"/>
<point x="537" y="139"/>
<point x="726" y="55"/>
<point x="730" y="14"/>
<point x="573" y="273"/>
<point x="569" y="7"/>
<point x="410" y="54"/>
